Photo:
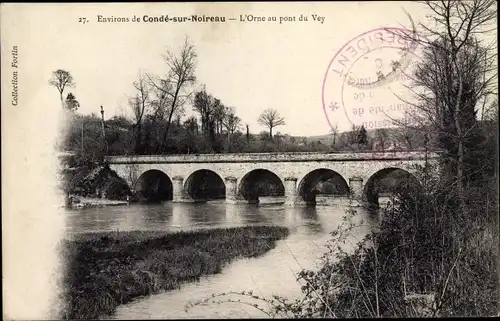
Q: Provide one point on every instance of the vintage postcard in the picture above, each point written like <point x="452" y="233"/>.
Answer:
<point x="249" y="160"/>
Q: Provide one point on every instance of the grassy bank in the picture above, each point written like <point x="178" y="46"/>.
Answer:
<point x="105" y="270"/>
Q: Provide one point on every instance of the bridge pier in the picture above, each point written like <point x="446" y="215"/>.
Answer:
<point x="177" y="188"/>
<point x="178" y="193"/>
<point x="231" y="190"/>
<point x="291" y="195"/>
<point x="356" y="189"/>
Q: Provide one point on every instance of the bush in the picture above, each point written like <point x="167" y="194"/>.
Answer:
<point x="424" y="259"/>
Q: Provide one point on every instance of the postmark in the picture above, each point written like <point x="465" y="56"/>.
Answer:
<point x="368" y="80"/>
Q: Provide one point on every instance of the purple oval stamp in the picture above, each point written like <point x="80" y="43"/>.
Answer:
<point x="367" y="80"/>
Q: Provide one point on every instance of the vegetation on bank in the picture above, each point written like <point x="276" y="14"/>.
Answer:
<point x="105" y="270"/>
<point x="96" y="181"/>
<point x="436" y="250"/>
<point x="425" y="259"/>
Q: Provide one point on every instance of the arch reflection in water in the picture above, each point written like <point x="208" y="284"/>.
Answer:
<point x="234" y="215"/>
<point x="204" y="185"/>
<point x="387" y="182"/>
<point x="180" y="216"/>
<point x="154" y="186"/>
<point x="322" y="182"/>
<point x="261" y="183"/>
<point x="311" y="220"/>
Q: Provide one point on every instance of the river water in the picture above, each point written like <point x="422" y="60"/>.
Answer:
<point x="271" y="273"/>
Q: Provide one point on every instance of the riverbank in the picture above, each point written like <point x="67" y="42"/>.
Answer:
<point x="80" y="201"/>
<point x="105" y="270"/>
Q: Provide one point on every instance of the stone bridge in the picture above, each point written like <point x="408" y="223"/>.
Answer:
<point x="246" y="177"/>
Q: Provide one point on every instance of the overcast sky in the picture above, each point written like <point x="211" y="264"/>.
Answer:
<point x="249" y="65"/>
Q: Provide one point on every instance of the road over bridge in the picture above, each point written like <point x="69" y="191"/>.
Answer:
<point x="246" y="177"/>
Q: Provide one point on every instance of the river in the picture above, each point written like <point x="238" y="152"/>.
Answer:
<point x="272" y="273"/>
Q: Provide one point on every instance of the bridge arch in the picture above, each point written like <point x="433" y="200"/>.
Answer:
<point x="260" y="182"/>
<point x="386" y="181"/>
<point x="205" y="184"/>
<point x="322" y="181"/>
<point x="154" y="186"/>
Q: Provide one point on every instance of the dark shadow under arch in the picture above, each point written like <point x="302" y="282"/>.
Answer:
<point x="204" y="185"/>
<point x="388" y="181"/>
<point x="154" y="186"/>
<point x="322" y="181"/>
<point x="260" y="182"/>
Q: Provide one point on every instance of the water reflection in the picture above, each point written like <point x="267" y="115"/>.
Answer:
<point x="174" y="216"/>
<point x="273" y="273"/>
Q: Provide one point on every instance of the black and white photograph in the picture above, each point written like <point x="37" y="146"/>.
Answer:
<point x="250" y="160"/>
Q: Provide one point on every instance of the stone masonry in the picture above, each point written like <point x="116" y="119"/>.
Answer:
<point x="355" y="168"/>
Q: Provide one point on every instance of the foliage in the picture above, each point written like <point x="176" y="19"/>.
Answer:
<point x="61" y="79"/>
<point x="71" y="103"/>
<point x="422" y="246"/>
<point x="97" y="181"/>
<point x="362" y="137"/>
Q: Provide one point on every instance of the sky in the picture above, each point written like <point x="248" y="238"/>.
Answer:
<point x="251" y="66"/>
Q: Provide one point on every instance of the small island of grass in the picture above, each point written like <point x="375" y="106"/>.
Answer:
<point x="105" y="270"/>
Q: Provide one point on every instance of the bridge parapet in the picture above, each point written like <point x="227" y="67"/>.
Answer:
<point x="269" y="157"/>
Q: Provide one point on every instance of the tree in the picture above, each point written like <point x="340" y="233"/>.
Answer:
<point x="362" y="136"/>
<point x="191" y="125"/>
<point x="248" y="135"/>
<point x="271" y="119"/>
<point x="139" y="105"/>
<point x="352" y="135"/>
<point x="173" y="89"/>
<point x="206" y="105"/>
<point x="231" y="122"/>
<point x="219" y="116"/>
<point x="382" y="138"/>
<point x="457" y="73"/>
<point x="71" y="103"/>
<point x="335" y="132"/>
<point x="61" y="79"/>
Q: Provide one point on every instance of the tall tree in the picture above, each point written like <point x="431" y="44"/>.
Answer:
<point x="271" y="119"/>
<point x="174" y="87"/>
<point x="231" y="122"/>
<point x="457" y="73"/>
<point x="60" y="80"/>
<point x="206" y="105"/>
<point x="219" y="116"/>
<point x="139" y="105"/>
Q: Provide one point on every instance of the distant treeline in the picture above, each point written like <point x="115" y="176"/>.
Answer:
<point x="85" y="138"/>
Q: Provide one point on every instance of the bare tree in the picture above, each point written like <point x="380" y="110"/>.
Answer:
<point x="231" y="122"/>
<point x="457" y="73"/>
<point x="61" y="79"/>
<point x="271" y="119"/>
<point x="140" y="105"/>
<point x="173" y="89"/>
